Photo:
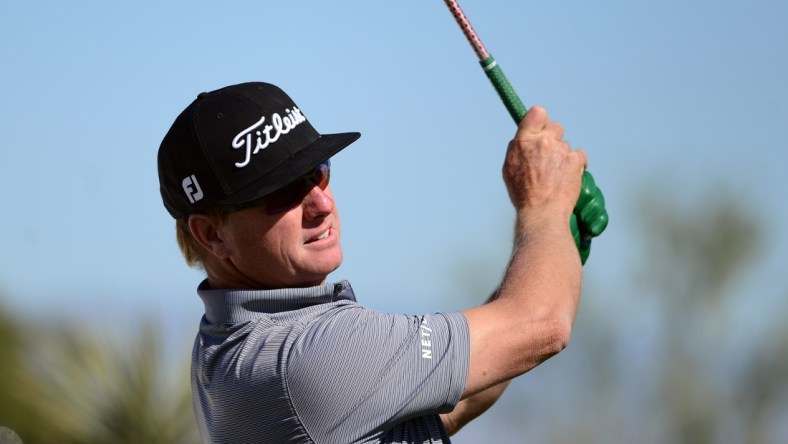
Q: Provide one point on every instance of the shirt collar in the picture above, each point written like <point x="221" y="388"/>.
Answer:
<point x="232" y="306"/>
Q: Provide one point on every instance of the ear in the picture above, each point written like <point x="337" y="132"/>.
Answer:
<point x="206" y="230"/>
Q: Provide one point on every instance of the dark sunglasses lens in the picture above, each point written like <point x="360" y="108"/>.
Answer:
<point x="322" y="175"/>
<point x="291" y="195"/>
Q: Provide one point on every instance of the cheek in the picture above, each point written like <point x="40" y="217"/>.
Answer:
<point x="337" y="225"/>
<point x="335" y="211"/>
<point x="267" y="240"/>
<point x="255" y="238"/>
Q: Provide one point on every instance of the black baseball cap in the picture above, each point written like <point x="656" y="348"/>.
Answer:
<point x="236" y="145"/>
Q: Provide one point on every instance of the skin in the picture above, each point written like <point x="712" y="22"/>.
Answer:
<point x="531" y="317"/>
<point x="528" y="319"/>
<point x="251" y="249"/>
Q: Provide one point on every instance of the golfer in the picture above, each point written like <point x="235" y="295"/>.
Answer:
<point x="282" y="356"/>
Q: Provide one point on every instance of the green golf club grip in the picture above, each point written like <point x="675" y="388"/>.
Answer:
<point x="517" y="110"/>
<point x="510" y="98"/>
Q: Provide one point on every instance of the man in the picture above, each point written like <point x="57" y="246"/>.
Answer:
<point x="284" y="357"/>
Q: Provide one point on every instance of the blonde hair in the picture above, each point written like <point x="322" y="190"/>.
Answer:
<point x="192" y="251"/>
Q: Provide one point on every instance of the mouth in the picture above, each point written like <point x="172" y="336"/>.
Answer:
<point x="320" y="236"/>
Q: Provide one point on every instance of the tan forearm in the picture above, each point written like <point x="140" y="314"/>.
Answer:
<point x="544" y="275"/>
<point x="533" y="314"/>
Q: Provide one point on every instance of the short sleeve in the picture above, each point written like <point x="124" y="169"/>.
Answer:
<point x="354" y="372"/>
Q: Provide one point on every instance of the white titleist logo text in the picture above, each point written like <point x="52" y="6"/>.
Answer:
<point x="258" y="136"/>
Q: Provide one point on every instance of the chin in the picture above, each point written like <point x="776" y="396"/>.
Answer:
<point x="321" y="269"/>
<point x="315" y="265"/>
<point x="331" y="267"/>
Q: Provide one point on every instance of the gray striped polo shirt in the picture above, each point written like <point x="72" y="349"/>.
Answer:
<point x="310" y="365"/>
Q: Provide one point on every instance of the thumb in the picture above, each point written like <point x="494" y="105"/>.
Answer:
<point x="534" y="121"/>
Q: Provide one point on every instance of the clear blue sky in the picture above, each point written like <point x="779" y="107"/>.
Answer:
<point x="693" y="94"/>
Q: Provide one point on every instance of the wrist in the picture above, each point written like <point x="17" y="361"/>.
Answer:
<point x="543" y="218"/>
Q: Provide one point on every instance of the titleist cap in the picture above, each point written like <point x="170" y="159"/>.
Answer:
<point x="236" y="145"/>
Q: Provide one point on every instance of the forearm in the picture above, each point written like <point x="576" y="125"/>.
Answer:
<point x="536" y="306"/>
<point x="472" y="407"/>
<point x="540" y="292"/>
<point x="543" y="279"/>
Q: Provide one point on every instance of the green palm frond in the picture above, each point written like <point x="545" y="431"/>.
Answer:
<point x="88" y="388"/>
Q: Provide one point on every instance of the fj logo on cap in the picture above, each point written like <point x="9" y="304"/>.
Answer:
<point x="266" y="135"/>
<point x="192" y="188"/>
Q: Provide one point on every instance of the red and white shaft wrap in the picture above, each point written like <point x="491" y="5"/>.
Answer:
<point x="467" y="29"/>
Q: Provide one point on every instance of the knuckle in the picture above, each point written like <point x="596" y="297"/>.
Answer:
<point x="556" y="128"/>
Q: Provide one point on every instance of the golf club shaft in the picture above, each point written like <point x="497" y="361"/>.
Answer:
<point x="513" y="104"/>
<point x="491" y="68"/>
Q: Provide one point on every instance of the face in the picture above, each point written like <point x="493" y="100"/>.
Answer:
<point x="298" y="247"/>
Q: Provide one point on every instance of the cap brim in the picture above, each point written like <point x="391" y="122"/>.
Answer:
<point x="297" y="166"/>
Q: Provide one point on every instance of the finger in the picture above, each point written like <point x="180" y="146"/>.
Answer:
<point x="587" y="190"/>
<point x="597" y="218"/>
<point x="554" y="129"/>
<point x="533" y="122"/>
<point x="563" y="147"/>
<point x="593" y="218"/>
<point x="582" y="159"/>
<point x="584" y="156"/>
<point x="592" y="210"/>
<point x="598" y="225"/>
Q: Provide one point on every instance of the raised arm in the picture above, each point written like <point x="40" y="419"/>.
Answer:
<point x="532" y="318"/>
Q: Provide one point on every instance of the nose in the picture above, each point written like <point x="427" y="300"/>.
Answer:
<point x="318" y="203"/>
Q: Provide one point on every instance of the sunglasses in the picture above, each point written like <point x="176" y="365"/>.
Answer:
<point x="293" y="193"/>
